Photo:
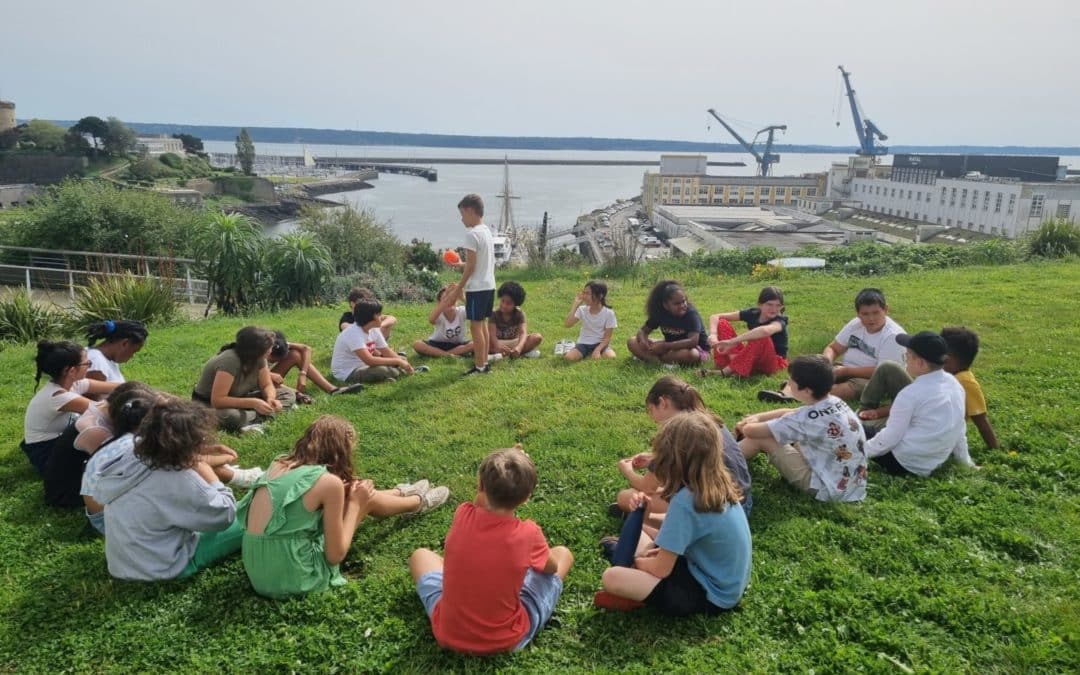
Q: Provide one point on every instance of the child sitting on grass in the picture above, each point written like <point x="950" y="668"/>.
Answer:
<point x="700" y="561"/>
<point x="598" y="323"/>
<point x="285" y="355"/>
<point x="361" y="353"/>
<point x="509" y="334"/>
<point x="820" y="447"/>
<point x="300" y="517"/>
<point x="386" y="322"/>
<point x="167" y="514"/>
<point x="926" y="421"/>
<point x="448" y="336"/>
<point x="685" y="341"/>
<point x="760" y="350"/>
<point x="499" y="582"/>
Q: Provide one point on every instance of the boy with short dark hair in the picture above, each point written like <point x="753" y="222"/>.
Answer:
<point x="509" y="332"/>
<point x="361" y="353"/>
<point x="863" y="343"/>
<point x="499" y="582"/>
<point x="477" y="278"/>
<point x="963" y="346"/>
<point x="386" y="323"/>
<point x="818" y="448"/>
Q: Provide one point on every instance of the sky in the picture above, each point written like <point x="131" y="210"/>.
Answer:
<point x="946" y="72"/>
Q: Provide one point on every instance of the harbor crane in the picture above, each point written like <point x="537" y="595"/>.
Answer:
<point x="866" y="130"/>
<point x="764" y="159"/>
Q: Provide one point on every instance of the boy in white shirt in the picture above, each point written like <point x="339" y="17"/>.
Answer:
<point x="448" y="337"/>
<point x="820" y="447"/>
<point x="926" y="422"/>
<point x="864" y="342"/>
<point x="361" y="353"/>
<point x="477" y="279"/>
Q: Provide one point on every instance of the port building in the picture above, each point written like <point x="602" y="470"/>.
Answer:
<point x="995" y="195"/>
<point x="683" y="181"/>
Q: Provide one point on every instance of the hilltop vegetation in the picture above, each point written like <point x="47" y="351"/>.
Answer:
<point x="971" y="571"/>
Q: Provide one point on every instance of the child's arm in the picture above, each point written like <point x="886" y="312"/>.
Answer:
<point x="899" y="420"/>
<point x="689" y="342"/>
<point x="220" y="398"/>
<point x="714" y="322"/>
<point x="305" y="362"/>
<point x="834" y="351"/>
<point x="658" y="562"/>
<point x="646" y="483"/>
<point x="523" y="334"/>
<point x="266" y="386"/>
<point x="875" y="413"/>
<point x="381" y="358"/>
<point x="343" y="507"/>
<point x="470" y="267"/>
<point x="571" y="318"/>
<point x="982" y="423"/>
<point x="209" y="507"/>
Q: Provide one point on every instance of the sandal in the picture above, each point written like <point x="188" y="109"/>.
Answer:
<point x="347" y="389"/>
<point x="303" y="399"/>
<point x="767" y="396"/>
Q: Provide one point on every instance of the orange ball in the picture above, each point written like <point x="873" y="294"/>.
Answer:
<point x="450" y="257"/>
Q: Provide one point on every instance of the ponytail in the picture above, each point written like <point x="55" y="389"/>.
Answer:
<point x="114" y="331"/>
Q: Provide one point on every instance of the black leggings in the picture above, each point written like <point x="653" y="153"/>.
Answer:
<point x="891" y="466"/>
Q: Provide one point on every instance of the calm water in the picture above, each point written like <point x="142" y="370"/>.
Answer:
<point x="416" y="208"/>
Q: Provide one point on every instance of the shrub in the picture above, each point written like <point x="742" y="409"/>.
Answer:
<point x="23" y="321"/>
<point x="147" y="299"/>
<point x="172" y="160"/>
<point x="419" y="254"/>
<point x="408" y="285"/>
<point x="356" y="238"/>
<point x="297" y="268"/>
<point x="230" y="247"/>
<point x="1054" y="239"/>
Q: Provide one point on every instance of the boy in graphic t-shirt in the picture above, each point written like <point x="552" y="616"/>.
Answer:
<point x="820" y="448"/>
<point x="448" y="335"/>
<point x="862" y="344"/>
<point x="499" y="581"/>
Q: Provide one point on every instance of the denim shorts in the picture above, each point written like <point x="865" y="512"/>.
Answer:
<point x="539" y="593"/>
<point x="586" y="350"/>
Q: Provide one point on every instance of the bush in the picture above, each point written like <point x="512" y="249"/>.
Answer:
<point x="1054" y="239"/>
<point x="230" y="247"/>
<point x="147" y="299"/>
<point x="408" y="285"/>
<point x="419" y="254"/>
<point x="356" y="238"/>
<point x="298" y="268"/>
<point x="733" y="261"/>
<point x="172" y="160"/>
<point x="23" y="321"/>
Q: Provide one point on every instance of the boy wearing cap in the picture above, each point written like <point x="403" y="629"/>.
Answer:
<point x="926" y="421"/>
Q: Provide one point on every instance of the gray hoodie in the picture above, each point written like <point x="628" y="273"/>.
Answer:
<point x="153" y="517"/>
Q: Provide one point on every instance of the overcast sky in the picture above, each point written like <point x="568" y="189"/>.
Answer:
<point x="927" y="72"/>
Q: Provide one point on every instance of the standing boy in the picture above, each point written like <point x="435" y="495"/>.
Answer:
<point x="477" y="278"/>
<point x="865" y="342"/>
<point x="926" y="421"/>
<point x="499" y="582"/>
<point x="818" y="448"/>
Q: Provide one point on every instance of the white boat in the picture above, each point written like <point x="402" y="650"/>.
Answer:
<point x="503" y="248"/>
<point x="504" y="235"/>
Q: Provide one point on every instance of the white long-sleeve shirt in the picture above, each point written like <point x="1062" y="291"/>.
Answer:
<point x="926" y="424"/>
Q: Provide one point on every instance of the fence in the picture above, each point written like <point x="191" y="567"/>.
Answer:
<point x="54" y="270"/>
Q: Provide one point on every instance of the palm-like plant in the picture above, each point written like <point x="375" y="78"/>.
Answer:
<point x="230" y="248"/>
<point x="298" y="267"/>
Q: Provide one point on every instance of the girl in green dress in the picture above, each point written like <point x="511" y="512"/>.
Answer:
<point x="300" y="517"/>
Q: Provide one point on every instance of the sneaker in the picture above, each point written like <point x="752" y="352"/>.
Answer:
<point x="615" y="603"/>
<point x="494" y="357"/>
<point x="615" y="511"/>
<point x="245" y="478"/>
<point x="668" y="366"/>
<point x="432" y="499"/>
<point x="607" y="547"/>
<point x="421" y="369"/>
<point x="249" y="429"/>
<point x="766" y="396"/>
<point x="403" y="355"/>
<point x="534" y="354"/>
<point x="477" y="371"/>
<point x="420" y="488"/>
<point x="348" y="389"/>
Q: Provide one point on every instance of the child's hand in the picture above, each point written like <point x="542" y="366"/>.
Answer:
<point x="212" y="460"/>
<point x="217" y="449"/>
<point x="637" y="500"/>
<point x="598" y="354"/>
<point x="641" y="460"/>
<point x="658" y="347"/>
<point x="580" y="298"/>
<point x="871" y="414"/>
<point x="713" y="340"/>
<point x="360" y="492"/>
<point x="749" y="419"/>
<point x="726" y="345"/>
<point x="626" y="468"/>
<point x="276" y="379"/>
<point x="406" y="366"/>
<point x="206" y="472"/>
<point x="263" y="408"/>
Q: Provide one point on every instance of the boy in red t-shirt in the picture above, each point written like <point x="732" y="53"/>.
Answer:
<point x="499" y="582"/>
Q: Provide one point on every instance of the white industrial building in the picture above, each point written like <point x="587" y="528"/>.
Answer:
<point x="996" y="195"/>
<point x="158" y="145"/>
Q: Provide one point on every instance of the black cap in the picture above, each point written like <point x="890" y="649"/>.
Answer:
<point x="927" y="344"/>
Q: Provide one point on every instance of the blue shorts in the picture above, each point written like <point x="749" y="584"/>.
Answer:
<point x="539" y="593"/>
<point x="479" y="304"/>
<point x="586" y="350"/>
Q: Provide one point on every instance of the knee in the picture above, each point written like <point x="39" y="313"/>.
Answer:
<point x="564" y="554"/>
<point x="572" y="355"/>
<point x="537" y="338"/>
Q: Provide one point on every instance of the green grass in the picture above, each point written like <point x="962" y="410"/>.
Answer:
<point x="966" y="571"/>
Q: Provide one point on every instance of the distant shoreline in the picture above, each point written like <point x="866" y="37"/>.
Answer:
<point x="300" y="135"/>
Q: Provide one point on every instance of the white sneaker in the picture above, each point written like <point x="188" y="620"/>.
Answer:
<point x="534" y="354"/>
<point x="494" y="357"/>
<point x="432" y="499"/>
<point x="420" y="488"/>
<point x="252" y="429"/>
<point x="245" y="478"/>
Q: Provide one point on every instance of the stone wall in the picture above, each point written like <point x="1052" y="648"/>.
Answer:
<point x="38" y="169"/>
<point x="248" y="188"/>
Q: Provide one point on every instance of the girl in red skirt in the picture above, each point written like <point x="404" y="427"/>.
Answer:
<point x="762" y="350"/>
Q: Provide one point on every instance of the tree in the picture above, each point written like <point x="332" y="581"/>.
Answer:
<point x="43" y="134"/>
<point x="95" y="127"/>
<point x="356" y="239"/>
<point x="298" y="267"/>
<point x="192" y="144"/>
<point x="230" y="246"/>
<point x="119" y="139"/>
<point x="245" y="152"/>
<point x="75" y="143"/>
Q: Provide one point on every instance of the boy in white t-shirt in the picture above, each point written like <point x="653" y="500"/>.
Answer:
<point x="361" y="353"/>
<point x="598" y="323"/>
<point x="820" y="448"/>
<point x="477" y="279"/>
<point x="448" y="336"/>
<point x="862" y="344"/>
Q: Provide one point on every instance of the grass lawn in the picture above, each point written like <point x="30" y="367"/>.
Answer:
<point x="965" y="571"/>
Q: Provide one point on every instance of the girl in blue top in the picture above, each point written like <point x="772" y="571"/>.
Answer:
<point x="700" y="560"/>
